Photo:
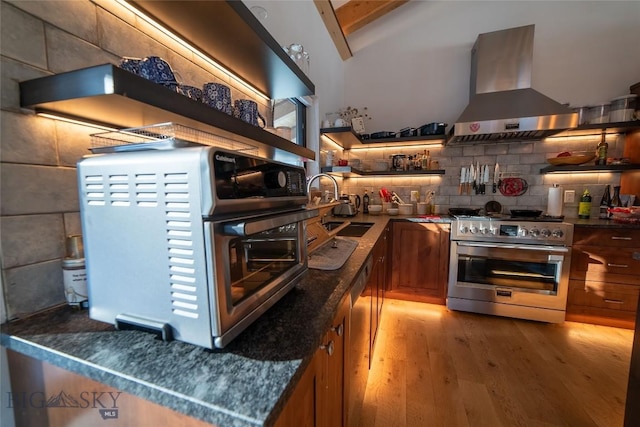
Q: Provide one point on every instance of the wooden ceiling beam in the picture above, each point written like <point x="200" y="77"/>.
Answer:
<point x="330" y="20"/>
<point x="355" y="14"/>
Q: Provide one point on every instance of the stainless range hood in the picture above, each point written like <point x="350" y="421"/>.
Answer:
<point x="502" y="106"/>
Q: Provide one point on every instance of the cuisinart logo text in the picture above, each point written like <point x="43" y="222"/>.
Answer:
<point x="222" y="158"/>
<point x="106" y="402"/>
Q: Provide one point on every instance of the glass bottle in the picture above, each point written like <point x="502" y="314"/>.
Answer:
<point x="601" y="151"/>
<point x="584" y="207"/>
<point x="616" y="202"/>
<point x="604" y="203"/>
<point x="365" y="203"/>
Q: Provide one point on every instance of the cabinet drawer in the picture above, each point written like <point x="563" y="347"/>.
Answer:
<point x="616" y="237"/>
<point x="609" y="296"/>
<point x="620" y="265"/>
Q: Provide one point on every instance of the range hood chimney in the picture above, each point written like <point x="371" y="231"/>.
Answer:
<point x="502" y="106"/>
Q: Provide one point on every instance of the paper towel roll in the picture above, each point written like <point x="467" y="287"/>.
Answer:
<point x="554" y="203"/>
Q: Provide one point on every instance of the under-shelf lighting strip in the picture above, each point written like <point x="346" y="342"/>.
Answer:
<point x="193" y="49"/>
<point x="581" y="138"/>
<point x="396" y="147"/>
<point x="74" y="121"/>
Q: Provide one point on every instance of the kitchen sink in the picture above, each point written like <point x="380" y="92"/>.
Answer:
<point x="355" y="229"/>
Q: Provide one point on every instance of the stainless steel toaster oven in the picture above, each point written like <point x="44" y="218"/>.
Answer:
<point x="194" y="243"/>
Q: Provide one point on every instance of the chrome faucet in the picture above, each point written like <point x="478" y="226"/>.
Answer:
<point x="314" y="177"/>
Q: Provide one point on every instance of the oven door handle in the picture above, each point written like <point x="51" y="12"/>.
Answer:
<point x="247" y="227"/>
<point x="559" y="249"/>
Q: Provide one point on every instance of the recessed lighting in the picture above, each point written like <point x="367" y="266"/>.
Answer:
<point x="259" y="12"/>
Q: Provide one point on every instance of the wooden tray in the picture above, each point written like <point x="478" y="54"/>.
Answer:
<point x="571" y="160"/>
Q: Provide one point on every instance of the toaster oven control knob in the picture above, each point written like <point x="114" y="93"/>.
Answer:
<point x="523" y="232"/>
<point x="474" y="229"/>
<point x="534" y="232"/>
<point x="545" y="232"/>
<point x="557" y="233"/>
<point x="276" y="180"/>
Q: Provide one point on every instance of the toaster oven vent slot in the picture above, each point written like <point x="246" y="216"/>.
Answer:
<point x="181" y="254"/>
<point x="94" y="190"/>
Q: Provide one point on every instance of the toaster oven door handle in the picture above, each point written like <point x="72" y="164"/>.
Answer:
<point x="247" y="227"/>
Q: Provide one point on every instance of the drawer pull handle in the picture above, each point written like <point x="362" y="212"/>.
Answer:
<point x="614" y="301"/>
<point x="617" y="265"/>
<point x="620" y="238"/>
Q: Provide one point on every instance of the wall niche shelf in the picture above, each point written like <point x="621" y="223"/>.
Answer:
<point x="590" y="168"/>
<point x="347" y="171"/>
<point x="108" y="95"/>
<point x="346" y="138"/>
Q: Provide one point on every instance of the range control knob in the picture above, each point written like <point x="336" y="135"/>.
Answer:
<point x="493" y="231"/>
<point x="474" y="229"/>
<point x="557" y="233"/>
<point x="545" y="232"/>
<point x="534" y="232"/>
<point x="484" y="230"/>
<point x="523" y="232"/>
<point x="464" y="229"/>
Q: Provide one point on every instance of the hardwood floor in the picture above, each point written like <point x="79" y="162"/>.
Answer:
<point x="435" y="367"/>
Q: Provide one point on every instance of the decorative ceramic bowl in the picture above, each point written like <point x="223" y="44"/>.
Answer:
<point x="375" y="209"/>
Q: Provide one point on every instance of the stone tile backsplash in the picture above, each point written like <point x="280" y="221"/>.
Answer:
<point x="39" y="203"/>
<point x="523" y="159"/>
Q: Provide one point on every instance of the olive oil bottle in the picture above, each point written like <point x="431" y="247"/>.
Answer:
<point x="584" y="207"/>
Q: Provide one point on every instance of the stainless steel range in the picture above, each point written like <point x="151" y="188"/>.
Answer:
<point x="510" y="267"/>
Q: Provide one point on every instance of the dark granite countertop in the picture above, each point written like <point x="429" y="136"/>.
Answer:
<point x="244" y="384"/>
<point x="601" y="223"/>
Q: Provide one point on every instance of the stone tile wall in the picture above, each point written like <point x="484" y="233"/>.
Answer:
<point x="38" y="188"/>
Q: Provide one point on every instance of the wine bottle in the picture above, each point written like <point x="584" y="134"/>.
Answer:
<point x="584" y="207"/>
<point x="365" y="203"/>
<point x="601" y="151"/>
<point x="604" y="203"/>
<point x="616" y="202"/>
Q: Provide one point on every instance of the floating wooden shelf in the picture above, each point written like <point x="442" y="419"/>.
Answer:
<point x="347" y="139"/>
<point x="108" y="95"/>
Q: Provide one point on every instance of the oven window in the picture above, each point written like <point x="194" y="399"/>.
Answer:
<point x="257" y="260"/>
<point x="539" y="277"/>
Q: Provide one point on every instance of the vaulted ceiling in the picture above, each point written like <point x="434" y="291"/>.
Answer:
<point x="344" y="17"/>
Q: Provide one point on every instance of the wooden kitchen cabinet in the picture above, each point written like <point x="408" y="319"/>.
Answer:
<point x="419" y="262"/>
<point x="604" y="282"/>
<point x="376" y="286"/>
<point x="319" y="398"/>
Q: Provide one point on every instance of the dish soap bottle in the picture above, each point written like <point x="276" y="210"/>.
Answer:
<point x="584" y="207"/>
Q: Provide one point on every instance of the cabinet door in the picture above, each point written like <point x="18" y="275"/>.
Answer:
<point x="419" y="262"/>
<point x="302" y="407"/>
<point x="334" y="353"/>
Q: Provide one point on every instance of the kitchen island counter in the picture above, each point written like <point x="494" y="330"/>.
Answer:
<point x="244" y="384"/>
